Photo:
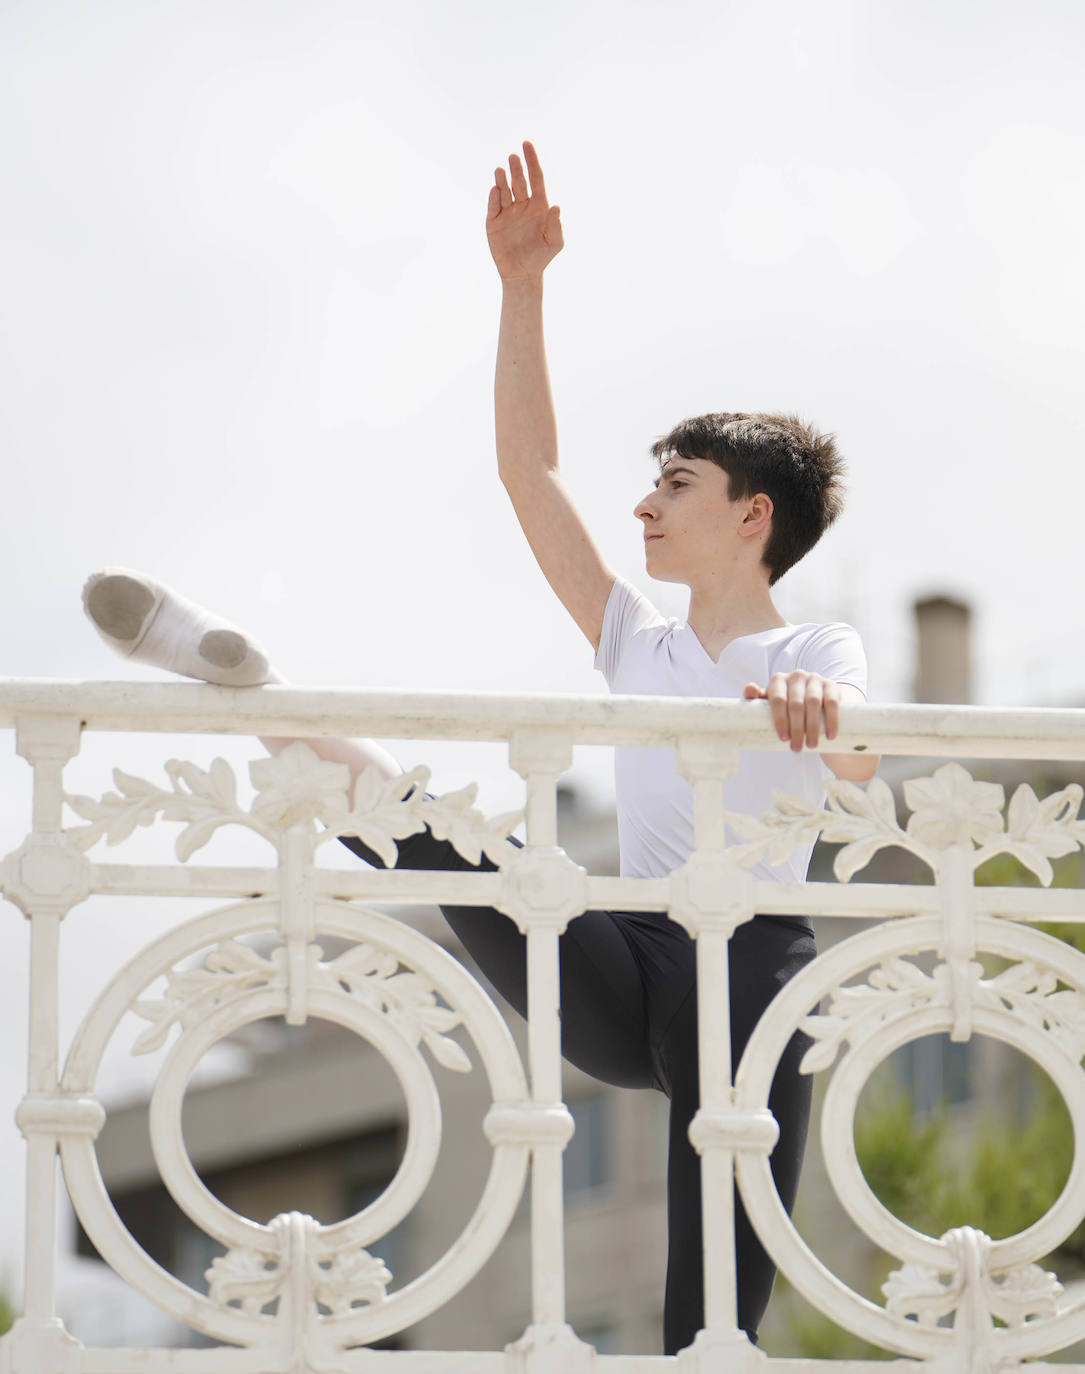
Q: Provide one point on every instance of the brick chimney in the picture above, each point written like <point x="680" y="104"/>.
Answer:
<point x="944" y="650"/>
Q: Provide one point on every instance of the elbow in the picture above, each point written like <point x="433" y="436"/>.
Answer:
<point x="853" y="767"/>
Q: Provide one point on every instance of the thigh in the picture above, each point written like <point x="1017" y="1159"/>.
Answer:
<point x="603" y="1017"/>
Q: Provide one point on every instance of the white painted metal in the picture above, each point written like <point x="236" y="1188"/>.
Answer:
<point x="294" y="1296"/>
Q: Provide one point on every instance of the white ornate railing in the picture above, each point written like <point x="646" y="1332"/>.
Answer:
<point x="960" y="1302"/>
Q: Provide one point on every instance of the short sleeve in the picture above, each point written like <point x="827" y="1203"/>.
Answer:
<point x="627" y="611"/>
<point x="836" y="652"/>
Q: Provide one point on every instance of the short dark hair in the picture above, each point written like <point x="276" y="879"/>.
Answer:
<point x="795" y="466"/>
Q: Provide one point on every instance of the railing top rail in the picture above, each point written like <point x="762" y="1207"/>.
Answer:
<point x="952" y="731"/>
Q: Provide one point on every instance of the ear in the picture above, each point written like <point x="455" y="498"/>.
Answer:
<point x="757" y="516"/>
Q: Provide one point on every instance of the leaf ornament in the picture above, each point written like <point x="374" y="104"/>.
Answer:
<point x="895" y="988"/>
<point x="230" y="970"/>
<point x="253" y="1279"/>
<point x="204" y="801"/>
<point x="387" y="810"/>
<point x="366" y="972"/>
<point x="1032" y="996"/>
<point x="295" y="788"/>
<point x="862" y="820"/>
<point x="372" y="975"/>
<point x="917" y="1291"/>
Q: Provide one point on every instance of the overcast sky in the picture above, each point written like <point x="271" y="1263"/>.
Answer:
<point x="249" y="317"/>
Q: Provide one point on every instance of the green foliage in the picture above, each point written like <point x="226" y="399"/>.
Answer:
<point x="7" y="1314"/>
<point x="821" y="1339"/>
<point x="995" y="1177"/>
<point x="902" y="1157"/>
<point x="1014" y="1177"/>
<point x="1005" y="871"/>
<point x="936" y="1173"/>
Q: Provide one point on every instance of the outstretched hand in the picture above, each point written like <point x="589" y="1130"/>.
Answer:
<point x="523" y="228"/>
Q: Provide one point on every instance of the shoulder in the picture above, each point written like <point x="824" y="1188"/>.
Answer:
<point x="813" y="636"/>
<point x="835" y="651"/>
<point x="633" y="608"/>
<point x="628" y="616"/>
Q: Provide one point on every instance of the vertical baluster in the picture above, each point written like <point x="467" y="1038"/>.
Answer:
<point x="540" y="757"/>
<point x="715" y="898"/>
<point x="44" y="885"/>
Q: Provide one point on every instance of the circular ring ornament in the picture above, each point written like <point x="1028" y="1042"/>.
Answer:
<point x="334" y="1249"/>
<point x="1037" y="1037"/>
<point x="219" y="1221"/>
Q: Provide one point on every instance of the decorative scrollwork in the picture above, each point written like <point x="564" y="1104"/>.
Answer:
<point x="1033" y="996"/>
<point x="916" y="1290"/>
<point x="898" y="987"/>
<point x="231" y="969"/>
<point x="321" y="1285"/>
<point x="895" y="988"/>
<point x="295" y="788"/>
<point x="950" y="808"/>
<point x="863" y="820"/>
<point x="366" y="972"/>
<point x="962" y="1300"/>
<point x="205" y="801"/>
<point x="255" y="1278"/>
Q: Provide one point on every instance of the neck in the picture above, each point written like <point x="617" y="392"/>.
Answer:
<point x="722" y="611"/>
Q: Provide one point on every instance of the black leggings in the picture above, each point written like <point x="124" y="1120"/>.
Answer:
<point x="629" y="1017"/>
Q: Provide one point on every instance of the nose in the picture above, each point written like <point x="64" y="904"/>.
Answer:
<point x="645" y="510"/>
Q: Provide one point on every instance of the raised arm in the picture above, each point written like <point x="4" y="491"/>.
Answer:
<point x="524" y="233"/>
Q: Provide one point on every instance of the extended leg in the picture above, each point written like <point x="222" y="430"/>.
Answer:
<point x="145" y="620"/>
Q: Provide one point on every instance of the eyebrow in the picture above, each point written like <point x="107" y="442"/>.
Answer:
<point x="671" y="471"/>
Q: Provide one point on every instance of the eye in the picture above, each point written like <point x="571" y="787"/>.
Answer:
<point x="677" y="482"/>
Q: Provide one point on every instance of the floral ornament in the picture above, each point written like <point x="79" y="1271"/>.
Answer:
<point x="253" y="1279"/>
<point x="897" y="987"/>
<point x="950" y="808"/>
<point x="296" y="788"/>
<point x="365" y="972"/>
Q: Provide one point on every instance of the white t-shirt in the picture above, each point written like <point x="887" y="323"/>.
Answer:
<point x="641" y="653"/>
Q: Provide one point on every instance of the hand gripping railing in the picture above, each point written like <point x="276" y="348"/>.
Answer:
<point x="296" y="1296"/>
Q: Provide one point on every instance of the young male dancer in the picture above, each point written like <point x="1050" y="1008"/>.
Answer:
<point x="740" y="498"/>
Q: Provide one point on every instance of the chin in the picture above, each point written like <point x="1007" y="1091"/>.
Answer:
<point x="658" y="574"/>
